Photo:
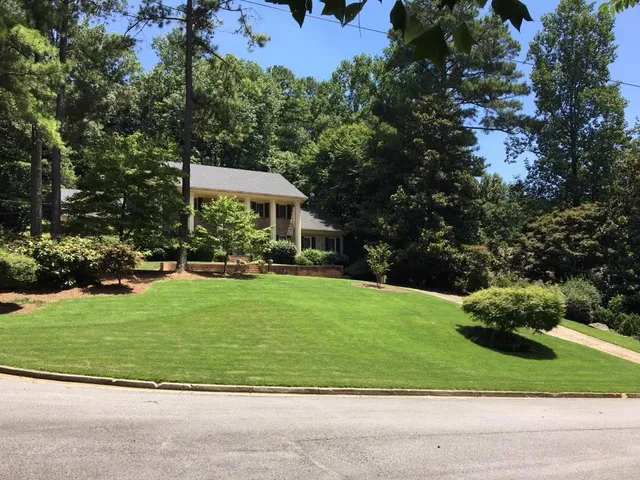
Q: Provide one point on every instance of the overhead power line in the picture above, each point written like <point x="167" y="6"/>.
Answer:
<point x="360" y="27"/>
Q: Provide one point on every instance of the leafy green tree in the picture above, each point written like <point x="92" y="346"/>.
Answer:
<point x="504" y="212"/>
<point x="579" y="241"/>
<point x="63" y="19"/>
<point x="379" y="260"/>
<point x="128" y="190"/>
<point x="335" y="168"/>
<point x="617" y="6"/>
<point x="579" y="125"/>
<point x="199" y="18"/>
<point x="426" y="36"/>
<point x="229" y="227"/>
<point x="27" y="85"/>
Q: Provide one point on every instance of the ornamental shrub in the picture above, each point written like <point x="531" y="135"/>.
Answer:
<point x="119" y="260"/>
<point x="302" y="260"/>
<point x="582" y="299"/>
<point x="315" y="257"/>
<point x="282" y="251"/>
<point x="68" y="262"/>
<point x="335" y="258"/>
<point x="16" y="270"/>
<point x="629" y="324"/>
<point x="506" y="309"/>
<point x="474" y="268"/>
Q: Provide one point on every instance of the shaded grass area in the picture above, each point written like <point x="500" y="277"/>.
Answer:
<point x="287" y="330"/>
<point x="149" y="266"/>
<point x="611" y="337"/>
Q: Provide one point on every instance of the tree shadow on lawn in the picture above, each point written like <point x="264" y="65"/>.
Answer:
<point x="9" y="307"/>
<point x="112" y="289"/>
<point x="508" y="344"/>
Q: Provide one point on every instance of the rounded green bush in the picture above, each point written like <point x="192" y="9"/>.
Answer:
<point x="302" y="260"/>
<point x="282" y="251"/>
<point x="506" y="309"/>
<point x="68" y="262"/>
<point x="316" y="257"/>
<point x="119" y="259"/>
<point x="16" y="270"/>
<point x="582" y="299"/>
<point x="335" y="258"/>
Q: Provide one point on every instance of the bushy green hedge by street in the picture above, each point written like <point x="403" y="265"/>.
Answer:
<point x="510" y="308"/>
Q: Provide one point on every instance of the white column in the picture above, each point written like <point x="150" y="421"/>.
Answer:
<point x="272" y="219"/>
<point x="247" y="204"/>
<point x="298" y="227"/>
<point x="192" y="220"/>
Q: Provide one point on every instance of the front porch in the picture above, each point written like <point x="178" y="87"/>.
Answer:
<point x="281" y="215"/>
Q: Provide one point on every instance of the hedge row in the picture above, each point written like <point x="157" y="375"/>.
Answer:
<point x="65" y="263"/>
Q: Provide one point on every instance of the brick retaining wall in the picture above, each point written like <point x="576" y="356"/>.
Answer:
<point x="330" y="271"/>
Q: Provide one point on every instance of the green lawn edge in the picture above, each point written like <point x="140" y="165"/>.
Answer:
<point x="292" y="331"/>
<point x="611" y="337"/>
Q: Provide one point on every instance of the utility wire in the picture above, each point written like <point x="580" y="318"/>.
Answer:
<point x="315" y="17"/>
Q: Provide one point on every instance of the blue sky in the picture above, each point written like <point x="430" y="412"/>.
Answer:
<point x="319" y="47"/>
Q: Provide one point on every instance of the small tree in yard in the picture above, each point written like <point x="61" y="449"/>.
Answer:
<point x="229" y="227"/>
<point x="507" y="309"/>
<point x="120" y="260"/>
<point x="379" y="260"/>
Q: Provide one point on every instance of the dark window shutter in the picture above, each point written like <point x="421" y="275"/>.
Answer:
<point x="254" y="206"/>
<point x="313" y="242"/>
<point x="267" y="210"/>
<point x="326" y="243"/>
<point x="289" y="211"/>
<point x="338" y="245"/>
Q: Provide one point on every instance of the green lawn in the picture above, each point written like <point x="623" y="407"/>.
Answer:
<point x="152" y="266"/>
<point x="612" y="337"/>
<point x="281" y="330"/>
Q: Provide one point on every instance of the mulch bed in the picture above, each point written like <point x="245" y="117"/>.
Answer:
<point x="23" y="301"/>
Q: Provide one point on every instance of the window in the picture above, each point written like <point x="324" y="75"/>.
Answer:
<point x="284" y="211"/>
<point x="262" y="209"/>
<point x="284" y="237"/>
<point x="308" y="242"/>
<point x="197" y="203"/>
<point x="332" y="244"/>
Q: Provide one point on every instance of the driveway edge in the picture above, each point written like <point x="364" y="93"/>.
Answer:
<point x="203" y="387"/>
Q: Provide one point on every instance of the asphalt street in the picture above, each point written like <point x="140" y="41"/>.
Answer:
<point x="67" y="431"/>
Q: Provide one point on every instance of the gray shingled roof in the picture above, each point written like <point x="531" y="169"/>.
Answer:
<point x="240" y="181"/>
<point x="314" y="220"/>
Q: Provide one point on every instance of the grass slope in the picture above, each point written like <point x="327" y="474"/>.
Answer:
<point x="280" y="330"/>
<point x="611" y="337"/>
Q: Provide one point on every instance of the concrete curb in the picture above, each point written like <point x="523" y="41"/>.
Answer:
<point x="203" y="387"/>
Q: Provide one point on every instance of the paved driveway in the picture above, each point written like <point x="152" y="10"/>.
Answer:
<point x="55" y="431"/>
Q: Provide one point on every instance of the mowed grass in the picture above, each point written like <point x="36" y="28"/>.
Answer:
<point x="280" y="330"/>
<point x="611" y="337"/>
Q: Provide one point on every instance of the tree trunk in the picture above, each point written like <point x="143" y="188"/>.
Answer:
<point x="56" y="207"/>
<point x="226" y="259"/>
<point x="36" y="181"/>
<point x="186" y="139"/>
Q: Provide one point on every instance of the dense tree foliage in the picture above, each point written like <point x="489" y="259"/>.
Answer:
<point x="579" y="127"/>
<point x="128" y="190"/>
